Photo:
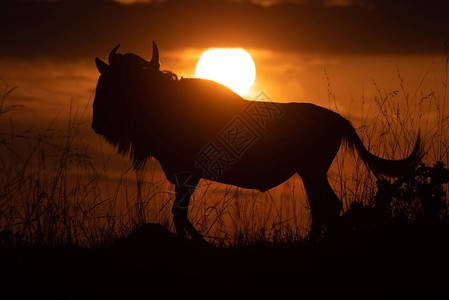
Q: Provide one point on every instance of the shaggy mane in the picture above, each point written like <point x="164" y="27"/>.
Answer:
<point x="127" y="143"/>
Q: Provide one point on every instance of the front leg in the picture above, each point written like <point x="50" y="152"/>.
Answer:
<point x="183" y="226"/>
<point x="185" y="185"/>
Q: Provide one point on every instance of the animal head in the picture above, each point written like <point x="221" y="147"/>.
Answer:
<point x="123" y="79"/>
<point x="115" y="86"/>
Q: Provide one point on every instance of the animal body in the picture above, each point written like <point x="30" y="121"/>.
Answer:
<point x="199" y="129"/>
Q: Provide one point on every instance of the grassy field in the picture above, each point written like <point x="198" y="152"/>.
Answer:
<point x="69" y="227"/>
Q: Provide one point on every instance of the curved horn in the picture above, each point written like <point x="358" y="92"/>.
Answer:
<point x="112" y="54"/>
<point x="155" y="58"/>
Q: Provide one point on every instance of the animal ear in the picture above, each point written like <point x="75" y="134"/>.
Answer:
<point x="101" y="65"/>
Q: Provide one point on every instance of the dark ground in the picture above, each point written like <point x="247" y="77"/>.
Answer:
<point x="398" y="262"/>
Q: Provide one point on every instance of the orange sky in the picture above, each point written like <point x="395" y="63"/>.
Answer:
<point x="292" y="43"/>
<point x="48" y="48"/>
<point x="50" y="86"/>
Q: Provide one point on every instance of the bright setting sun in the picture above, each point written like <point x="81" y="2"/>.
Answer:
<point x="232" y="67"/>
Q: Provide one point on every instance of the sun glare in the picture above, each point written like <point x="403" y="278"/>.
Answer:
<point x="231" y="67"/>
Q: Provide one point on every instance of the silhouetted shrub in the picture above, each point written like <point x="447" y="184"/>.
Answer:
<point x="419" y="198"/>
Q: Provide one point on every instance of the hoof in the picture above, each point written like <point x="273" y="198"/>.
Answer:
<point x="184" y="227"/>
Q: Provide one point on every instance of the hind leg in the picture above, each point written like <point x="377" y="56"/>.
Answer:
<point x="324" y="204"/>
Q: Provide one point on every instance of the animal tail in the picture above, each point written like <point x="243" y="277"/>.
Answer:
<point x="379" y="166"/>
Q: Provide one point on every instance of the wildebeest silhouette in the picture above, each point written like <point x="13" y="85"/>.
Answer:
<point x="198" y="129"/>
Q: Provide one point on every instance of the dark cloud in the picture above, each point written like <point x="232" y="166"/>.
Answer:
<point x="64" y="29"/>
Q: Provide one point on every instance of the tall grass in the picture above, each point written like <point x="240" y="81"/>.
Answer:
<point x="392" y="131"/>
<point x="56" y="190"/>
